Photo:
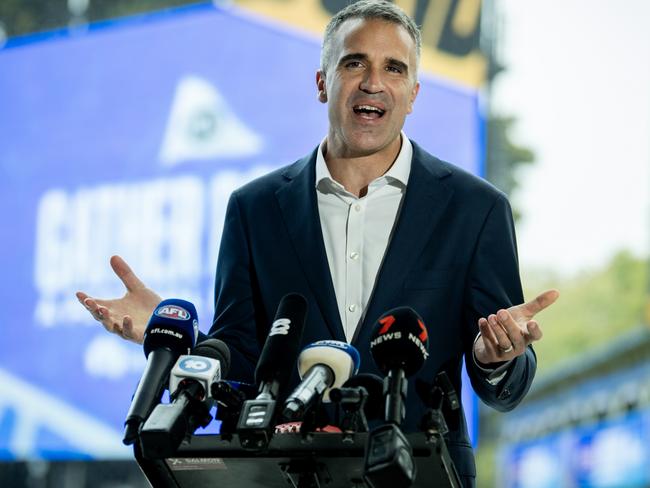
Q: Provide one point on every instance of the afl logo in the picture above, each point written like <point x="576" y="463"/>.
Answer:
<point x="194" y="364"/>
<point x="172" y="312"/>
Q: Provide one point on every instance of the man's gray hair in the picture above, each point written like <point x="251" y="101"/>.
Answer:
<point x="369" y="9"/>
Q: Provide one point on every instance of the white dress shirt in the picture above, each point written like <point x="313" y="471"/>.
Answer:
<point x="357" y="231"/>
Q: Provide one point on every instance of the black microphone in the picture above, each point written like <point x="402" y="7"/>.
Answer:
<point x="360" y="398"/>
<point x="190" y="383"/>
<point x="171" y="331"/>
<point x="230" y="397"/>
<point x="443" y="402"/>
<point x="321" y="365"/>
<point x="273" y="371"/>
<point x="399" y="347"/>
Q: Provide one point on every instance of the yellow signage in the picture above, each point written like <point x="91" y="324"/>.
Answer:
<point x="450" y="30"/>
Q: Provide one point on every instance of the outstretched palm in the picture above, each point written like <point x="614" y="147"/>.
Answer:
<point x="506" y="334"/>
<point x="126" y="316"/>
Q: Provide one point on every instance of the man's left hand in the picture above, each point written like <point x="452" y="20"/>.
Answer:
<point x="505" y="335"/>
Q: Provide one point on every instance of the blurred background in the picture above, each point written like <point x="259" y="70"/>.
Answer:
<point x="125" y="125"/>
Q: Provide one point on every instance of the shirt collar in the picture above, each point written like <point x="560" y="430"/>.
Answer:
<point x="398" y="172"/>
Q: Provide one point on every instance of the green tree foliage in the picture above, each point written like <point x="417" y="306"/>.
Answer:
<point x="28" y="16"/>
<point x="22" y="17"/>
<point x="504" y="156"/>
<point x="594" y="307"/>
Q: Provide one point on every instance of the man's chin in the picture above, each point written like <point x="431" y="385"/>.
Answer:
<point x="366" y="144"/>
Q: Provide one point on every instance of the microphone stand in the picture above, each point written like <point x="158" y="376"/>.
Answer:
<point x="352" y="400"/>
<point x="441" y="397"/>
<point x="433" y="423"/>
<point x="255" y="425"/>
<point x="229" y="404"/>
<point x="389" y="458"/>
<point x="395" y="386"/>
<point x="313" y="419"/>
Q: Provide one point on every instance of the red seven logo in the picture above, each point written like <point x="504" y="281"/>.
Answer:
<point x="386" y="322"/>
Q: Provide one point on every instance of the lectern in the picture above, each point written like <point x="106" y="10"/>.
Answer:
<point x="331" y="460"/>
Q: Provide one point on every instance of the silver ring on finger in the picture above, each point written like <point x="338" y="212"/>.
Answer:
<point x="506" y="350"/>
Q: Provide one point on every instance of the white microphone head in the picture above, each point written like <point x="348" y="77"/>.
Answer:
<point x="341" y="357"/>
<point x="201" y="369"/>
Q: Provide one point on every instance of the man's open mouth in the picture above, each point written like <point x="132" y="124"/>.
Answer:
<point x="368" y="111"/>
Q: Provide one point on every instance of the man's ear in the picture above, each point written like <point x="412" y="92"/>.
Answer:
<point x="320" y="85"/>
<point x="414" y="94"/>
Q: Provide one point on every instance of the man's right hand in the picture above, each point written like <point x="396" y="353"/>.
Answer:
<point x="127" y="316"/>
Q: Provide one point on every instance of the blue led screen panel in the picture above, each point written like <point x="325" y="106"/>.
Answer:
<point x="128" y="140"/>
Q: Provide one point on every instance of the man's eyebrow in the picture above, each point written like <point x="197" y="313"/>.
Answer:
<point x="398" y="64"/>
<point x="353" y="57"/>
<point x="362" y="57"/>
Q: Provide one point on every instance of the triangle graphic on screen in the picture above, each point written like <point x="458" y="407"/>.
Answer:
<point x="201" y="125"/>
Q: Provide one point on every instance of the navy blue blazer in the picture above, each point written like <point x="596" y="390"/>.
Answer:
<point x="452" y="257"/>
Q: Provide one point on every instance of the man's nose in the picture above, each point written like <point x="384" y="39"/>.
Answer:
<point x="372" y="81"/>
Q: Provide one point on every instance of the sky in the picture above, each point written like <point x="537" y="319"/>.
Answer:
<point x="578" y="79"/>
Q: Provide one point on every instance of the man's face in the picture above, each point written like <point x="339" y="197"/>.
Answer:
<point x="370" y="86"/>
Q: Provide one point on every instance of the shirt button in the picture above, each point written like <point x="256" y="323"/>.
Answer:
<point x="352" y="307"/>
<point x="357" y="207"/>
<point x="354" y="255"/>
<point x="505" y="393"/>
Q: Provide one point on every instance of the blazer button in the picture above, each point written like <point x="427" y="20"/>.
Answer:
<point x="505" y="393"/>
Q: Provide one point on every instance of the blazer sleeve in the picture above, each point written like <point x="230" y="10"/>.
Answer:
<point x="494" y="283"/>
<point x="234" y="296"/>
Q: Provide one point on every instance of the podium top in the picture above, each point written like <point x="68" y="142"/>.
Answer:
<point x="329" y="460"/>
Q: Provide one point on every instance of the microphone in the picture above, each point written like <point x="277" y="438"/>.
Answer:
<point x="321" y="365"/>
<point x="360" y="398"/>
<point x="190" y="381"/>
<point x="171" y="331"/>
<point x="399" y="347"/>
<point x="192" y="368"/>
<point x="229" y="397"/>
<point x="443" y="403"/>
<point x="273" y="371"/>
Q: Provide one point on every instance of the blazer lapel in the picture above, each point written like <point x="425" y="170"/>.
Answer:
<point x="424" y="204"/>
<point x="297" y="199"/>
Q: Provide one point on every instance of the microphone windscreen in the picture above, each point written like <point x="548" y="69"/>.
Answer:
<point x="173" y="325"/>
<point x="400" y="340"/>
<point x="341" y="357"/>
<point x="215" y="349"/>
<point x="280" y="350"/>
<point x="202" y="369"/>
<point x="374" y="385"/>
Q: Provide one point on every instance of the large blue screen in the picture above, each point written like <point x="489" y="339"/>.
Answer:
<point x="128" y="139"/>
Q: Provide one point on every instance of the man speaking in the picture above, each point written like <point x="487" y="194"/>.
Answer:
<point x="365" y="223"/>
